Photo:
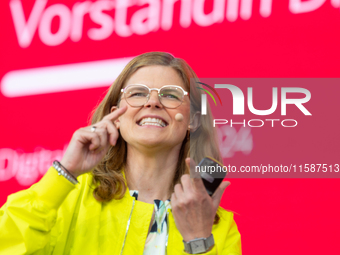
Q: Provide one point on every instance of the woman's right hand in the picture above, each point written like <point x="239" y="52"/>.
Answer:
<point x="87" y="149"/>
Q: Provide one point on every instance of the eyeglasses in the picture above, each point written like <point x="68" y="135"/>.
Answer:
<point x="170" y="96"/>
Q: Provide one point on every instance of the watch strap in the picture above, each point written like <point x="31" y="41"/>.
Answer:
<point x="209" y="242"/>
<point x="187" y="247"/>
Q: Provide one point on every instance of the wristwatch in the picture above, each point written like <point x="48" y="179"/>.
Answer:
<point x="199" y="245"/>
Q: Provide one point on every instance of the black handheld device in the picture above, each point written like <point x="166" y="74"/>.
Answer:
<point x="212" y="173"/>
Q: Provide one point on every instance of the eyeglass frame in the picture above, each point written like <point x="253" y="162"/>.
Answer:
<point x="185" y="93"/>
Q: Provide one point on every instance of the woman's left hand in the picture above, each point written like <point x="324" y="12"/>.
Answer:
<point x="193" y="209"/>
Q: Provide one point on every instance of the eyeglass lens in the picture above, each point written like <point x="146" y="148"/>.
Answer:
<point x="170" y="97"/>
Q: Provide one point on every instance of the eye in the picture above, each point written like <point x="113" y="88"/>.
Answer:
<point x="136" y="91"/>
<point x="169" y="96"/>
<point x="138" y="94"/>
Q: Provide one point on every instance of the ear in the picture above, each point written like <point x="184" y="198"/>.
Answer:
<point x="195" y="122"/>
<point x="115" y="122"/>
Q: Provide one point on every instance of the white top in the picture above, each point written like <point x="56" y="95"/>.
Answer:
<point x="156" y="240"/>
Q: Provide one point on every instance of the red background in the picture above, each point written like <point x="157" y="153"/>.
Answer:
<point x="274" y="216"/>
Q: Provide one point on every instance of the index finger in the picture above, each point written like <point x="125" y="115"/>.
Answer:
<point x="115" y="114"/>
<point x="194" y="174"/>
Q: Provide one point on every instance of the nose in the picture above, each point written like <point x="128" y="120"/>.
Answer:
<point x="153" y="100"/>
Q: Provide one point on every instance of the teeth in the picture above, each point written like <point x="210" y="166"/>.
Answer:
<point x="152" y="122"/>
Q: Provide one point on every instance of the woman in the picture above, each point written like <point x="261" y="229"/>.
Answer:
<point x="134" y="194"/>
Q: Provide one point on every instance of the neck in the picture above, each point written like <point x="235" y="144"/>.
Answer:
<point x="151" y="174"/>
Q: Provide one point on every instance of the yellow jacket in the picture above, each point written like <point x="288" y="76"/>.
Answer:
<point x="56" y="217"/>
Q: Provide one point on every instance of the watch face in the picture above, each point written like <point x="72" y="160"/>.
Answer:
<point x="197" y="246"/>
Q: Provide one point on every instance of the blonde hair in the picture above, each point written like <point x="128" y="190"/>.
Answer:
<point x="108" y="176"/>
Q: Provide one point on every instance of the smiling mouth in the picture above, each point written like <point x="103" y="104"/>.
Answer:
<point x="152" y="122"/>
